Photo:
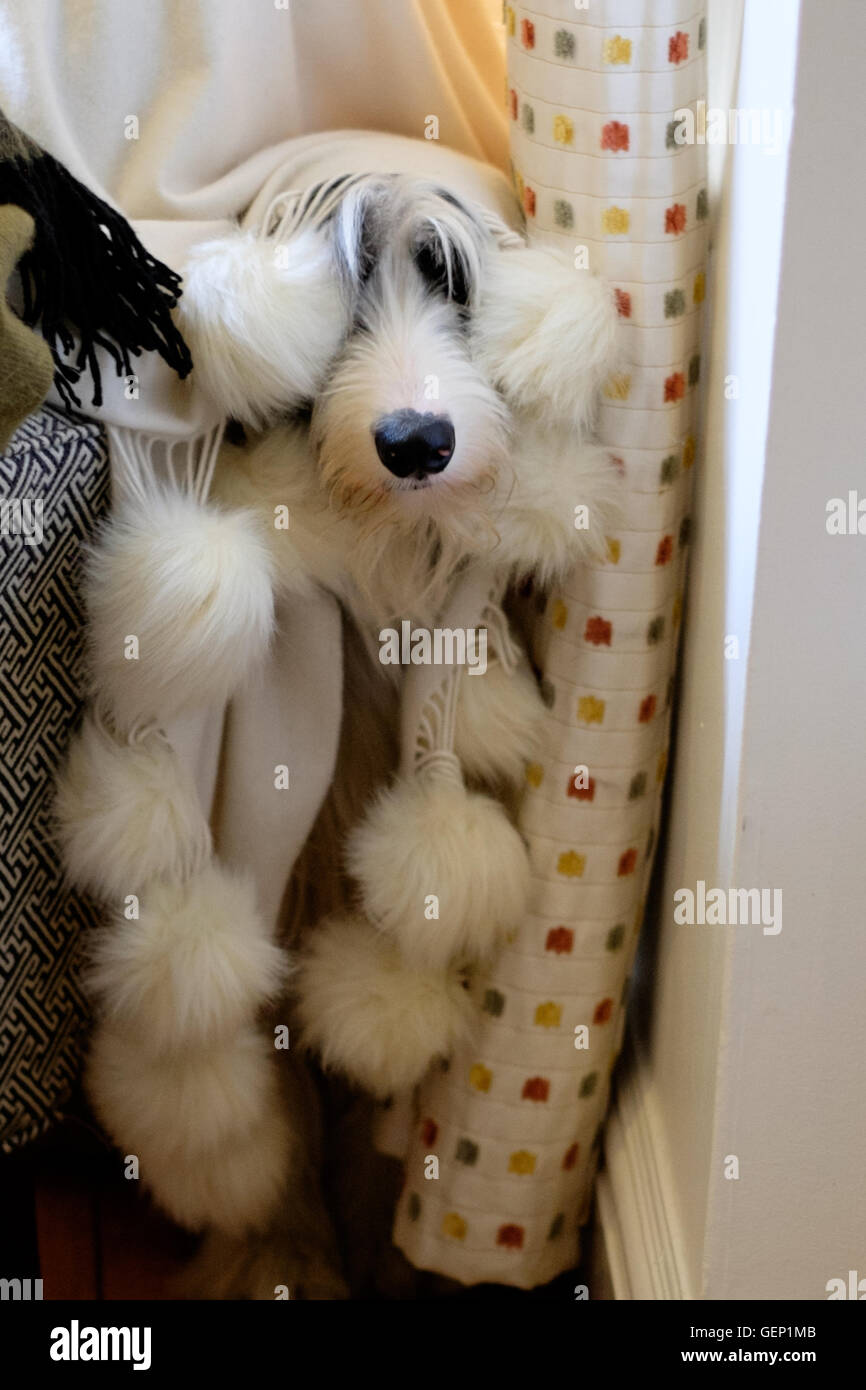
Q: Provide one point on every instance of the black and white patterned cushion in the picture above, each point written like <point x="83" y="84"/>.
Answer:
<point x="64" y="463"/>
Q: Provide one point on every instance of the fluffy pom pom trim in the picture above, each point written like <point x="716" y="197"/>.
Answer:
<point x="181" y="607"/>
<point x="546" y="333"/>
<point x="208" y="1128"/>
<point x="195" y="966"/>
<point x="127" y="813"/>
<point x="429" y="838"/>
<point x="500" y="716"/>
<point x="371" y="1016"/>
<point x="263" y="319"/>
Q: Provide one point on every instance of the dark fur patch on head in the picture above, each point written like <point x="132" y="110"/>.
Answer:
<point x="449" y="278"/>
<point x="394" y="216"/>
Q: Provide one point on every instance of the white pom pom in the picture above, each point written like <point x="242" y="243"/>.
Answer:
<point x="126" y="813"/>
<point x="564" y="502"/>
<point x="197" y="964"/>
<point x="546" y="333"/>
<point x="236" y="1190"/>
<point x="263" y="320"/>
<point x="180" y="604"/>
<point x="207" y="1128"/>
<point x="370" y="1015"/>
<point x="428" y="837"/>
<point x="500" y="716"/>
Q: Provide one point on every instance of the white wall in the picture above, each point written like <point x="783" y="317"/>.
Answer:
<point x="752" y="1044"/>
<point x="791" y="1096"/>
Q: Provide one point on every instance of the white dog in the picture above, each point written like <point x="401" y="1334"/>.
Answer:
<point x="417" y="385"/>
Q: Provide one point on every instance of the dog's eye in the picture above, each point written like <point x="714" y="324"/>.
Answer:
<point x="431" y="264"/>
<point x="235" y="433"/>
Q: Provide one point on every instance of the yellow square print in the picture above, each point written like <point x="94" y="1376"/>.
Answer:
<point x="454" y="1226"/>
<point x="548" y="1015"/>
<point x="617" y="387"/>
<point x="480" y="1077"/>
<point x="615" y="221"/>
<point x="559" y="615"/>
<point x="571" y="864"/>
<point x="617" y="50"/>
<point x="563" y="130"/>
<point x="522" y="1162"/>
<point x="590" y="710"/>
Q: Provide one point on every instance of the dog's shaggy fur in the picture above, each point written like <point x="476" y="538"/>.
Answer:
<point x="398" y="312"/>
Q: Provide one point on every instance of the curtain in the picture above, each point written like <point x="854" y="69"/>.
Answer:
<point x="515" y="1119"/>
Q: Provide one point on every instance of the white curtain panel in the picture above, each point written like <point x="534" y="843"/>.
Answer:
<point x="515" y="1120"/>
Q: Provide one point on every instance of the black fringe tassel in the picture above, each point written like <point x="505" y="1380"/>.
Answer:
<point x="88" y="272"/>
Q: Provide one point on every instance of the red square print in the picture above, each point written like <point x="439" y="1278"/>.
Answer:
<point x="560" y="940"/>
<point x="678" y="47"/>
<point x="614" y="136"/>
<point x="675" y="218"/>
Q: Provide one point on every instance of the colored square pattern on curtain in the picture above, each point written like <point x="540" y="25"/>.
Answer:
<point x="515" y="1119"/>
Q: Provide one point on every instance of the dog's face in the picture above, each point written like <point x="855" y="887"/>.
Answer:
<point x="423" y="338"/>
<point x="406" y="419"/>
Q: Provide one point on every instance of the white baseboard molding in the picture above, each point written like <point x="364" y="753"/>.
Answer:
<point x="636" y="1222"/>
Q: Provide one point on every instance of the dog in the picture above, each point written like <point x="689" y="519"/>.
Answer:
<point x="427" y="400"/>
<point x="414" y="386"/>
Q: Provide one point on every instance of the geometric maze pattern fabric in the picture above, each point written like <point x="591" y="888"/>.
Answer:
<point x="515" y="1120"/>
<point x="54" y="487"/>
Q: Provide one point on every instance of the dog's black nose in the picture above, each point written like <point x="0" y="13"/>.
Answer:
<point x="413" y="445"/>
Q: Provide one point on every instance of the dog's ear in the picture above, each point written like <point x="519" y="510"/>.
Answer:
<point x="264" y="318"/>
<point x="356" y="230"/>
<point x="545" y="333"/>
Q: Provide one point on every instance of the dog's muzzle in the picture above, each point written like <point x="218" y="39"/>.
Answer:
<point x="412" y="445"/>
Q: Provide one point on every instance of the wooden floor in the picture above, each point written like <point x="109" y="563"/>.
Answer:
<point x="103" y="1242"/>
<point x="69" y="1217"/>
